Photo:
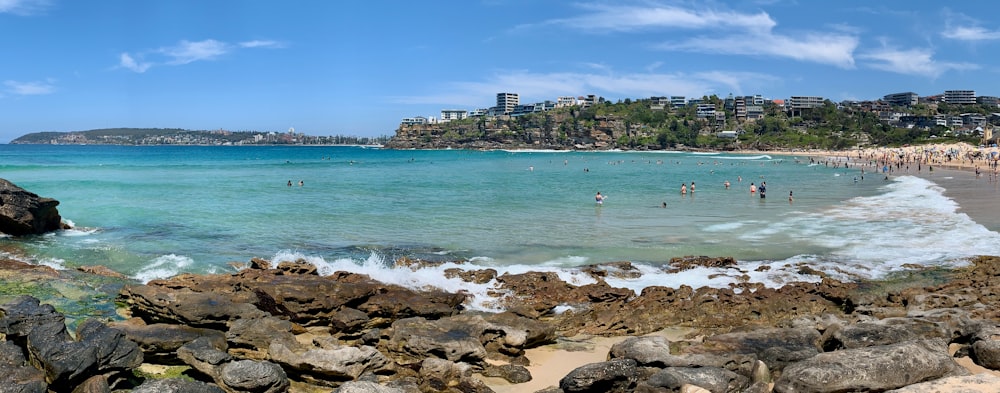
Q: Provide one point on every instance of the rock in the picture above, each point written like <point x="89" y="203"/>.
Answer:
<point x="714" y="379"/>
<point x="159" y="342"/>
<point x="252" y="337"/>
<point x="25" y="213"/>
<point x="159" y="304"/>
<point x="24" y="314"/>
<point x="326" y="365"/>
<point x="618" y="375"/>
<point x="22" y="379"/>
<point x="979" y="383"/>
<point x="621" y="270"/>
<point x="11" y="354"/>
<point x="481" y="276"/>
<point x="202" y="355"/>
<point x="95" y="384"/>
<point x="366" y="387"/>
<point x="877" y="368"/>
<point x="254" y="376"/>
<point x="654" y="351"/>
<point x="776" y="347"/>
<point x="100" y="350"/>
<point x="300" y="267"/>
<point x="115" y="352"/>
<point x="691" y="262"/>
<point x="986" y="347"/>
<point x="881" y="332"/>
<point x="176" y="385"/>
<point x="102" y="271"/>
<point x="509" y="372"/>
<point x="412" y="340"/>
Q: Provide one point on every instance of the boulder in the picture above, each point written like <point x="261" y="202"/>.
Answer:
<point x="176" y="385"/>
<point x="777" y="347"/>
<point x="100" y="350"/>
<point x="713" y="379"/>
<point x="412" y="340"/>
<point x="95" y="384"/>
<point x="881" y="332"/>
<point x="159" y="341"/>
<point x="877" y="368"/>
<point x="254" y="376"/>
<point x="25" y="313"/>
<point x="158" y="304"/>
<point x="25" y="213"/>
<point x="986" y="346"/>
<point x="510" y="372"/>
<point x="328" y="366"/>
<point x="613" y="376"/>
<point x="22" y="379"/>
<point x="252" y="337"/>
<point x="366" y="387"/>
<point x="654" y="351"/>
<point x="984" y="382"/>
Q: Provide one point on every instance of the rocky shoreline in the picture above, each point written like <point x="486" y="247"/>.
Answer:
<point x="279" y="326"/>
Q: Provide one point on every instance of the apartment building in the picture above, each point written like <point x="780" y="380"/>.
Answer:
<point x="960" y="97"/>
<point x="507" y="102"/>
<point x="453" y="114"/>
<point x="902" y="99"/>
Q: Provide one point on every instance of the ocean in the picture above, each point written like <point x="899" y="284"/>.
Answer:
<point x="155" y="211"/>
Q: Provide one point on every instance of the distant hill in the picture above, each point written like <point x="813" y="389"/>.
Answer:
<point x="177" y="136"/>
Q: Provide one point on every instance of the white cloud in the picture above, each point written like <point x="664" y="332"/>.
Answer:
<point x="186" y="52"/>
<point x="726" y="32"/>
<point x="23" y="7"/>
<point x="607" y="17"/>
<point x="917" y="62"/>
<point x="971" y="33"/>
<point x="533" y="87"/>
<point x="30" y="88"/>
<point x="261" y="44"/>
<point x="129" y="63"/>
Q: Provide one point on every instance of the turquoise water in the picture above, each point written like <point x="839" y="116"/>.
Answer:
<point x="156" y="211"/>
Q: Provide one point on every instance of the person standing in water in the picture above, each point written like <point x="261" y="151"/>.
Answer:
<point x="753" y="189"/>
<point x="599" y="198"/>
<point x="684" y="188"/>
<point x="762" y="189"/>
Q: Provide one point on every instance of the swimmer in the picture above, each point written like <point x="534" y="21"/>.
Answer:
<point x="790" y="199"/>
<point x="301" y="183"/>
<point x="664" y="205"/>
<point x="753" y="188"/>
<point x="684" y="189"/>
<point x="289" y="183"/>
<point x="599" y="198"/>
<point x="692" y="187"/>
<point x="726" y="184"/>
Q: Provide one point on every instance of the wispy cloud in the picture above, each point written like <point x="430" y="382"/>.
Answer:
<point x="725" y="32"/>
<point x="917" y="62"/>
<point x="23" y="7"/>
<point x="541" y="86"/>
<point x="30" y="88"/>
<point x="129" y="63"/>
<point x="186" y="52"/>
<point x="958" y="26"/>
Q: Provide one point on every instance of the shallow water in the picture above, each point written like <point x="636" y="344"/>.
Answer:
<point x="155" y="211"/>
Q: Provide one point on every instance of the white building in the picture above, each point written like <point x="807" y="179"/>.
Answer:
<point x="902" y="99"/>
<point x="565" y="101"/>
<point x="506" y="102"/>
<point x="960" y="97"/>
<point x="804" y="102"/>
<point x="453" y="114"/>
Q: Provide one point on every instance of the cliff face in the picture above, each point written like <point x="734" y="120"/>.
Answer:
<point x="552" y="130"/>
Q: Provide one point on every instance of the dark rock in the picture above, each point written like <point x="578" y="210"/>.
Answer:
<point x="159" y="342"/>
<point x="621" y="270"/>
<point x="511" y="373"/>
<point x="714" y="379"/>
<point x="22" y="379"/>
<point x="881" y="332"/>
<point x="618" y="375"/>
<point x="481" y="276"/>
<point x="875" y="369"/>
<point x="176" y="385"/>
<point x="115" y="353"/>
<point x="254" y="336"/>
<point x="254" y="376"/>
<point x="300" y="267"/>
<point x="23" y="314"/>
<point x="11" y="354"/>
<point x="25" y="213"/>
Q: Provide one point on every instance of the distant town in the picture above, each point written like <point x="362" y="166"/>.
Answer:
<point x="163" y="136"/>
<point x="902" y="110"/>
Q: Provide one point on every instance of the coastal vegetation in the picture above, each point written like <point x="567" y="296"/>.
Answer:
<point x="636" y="125"/>
<point x="176" y="136"/>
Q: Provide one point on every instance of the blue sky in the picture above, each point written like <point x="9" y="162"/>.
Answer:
<point x="358" y="67"/>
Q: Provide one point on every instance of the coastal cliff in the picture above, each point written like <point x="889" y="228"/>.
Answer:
<point x="563" y="130"/>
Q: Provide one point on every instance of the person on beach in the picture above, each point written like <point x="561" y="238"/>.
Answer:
<point x="599" y="198"/>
